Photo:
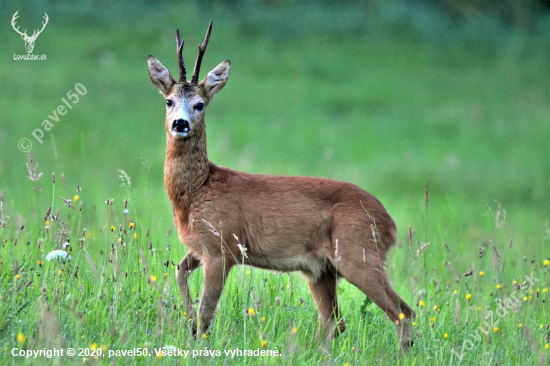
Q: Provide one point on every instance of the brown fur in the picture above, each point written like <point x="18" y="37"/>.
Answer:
<point x="324" y="228"/>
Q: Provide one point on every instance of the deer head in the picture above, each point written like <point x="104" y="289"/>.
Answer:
<point x="29" y="41"/>
<point x="186" y="101"/>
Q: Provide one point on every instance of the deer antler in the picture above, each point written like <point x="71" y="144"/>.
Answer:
<point x="179" y="48"/>
<point x="35" y="35"/>
<point x="15" y="16"/>
<point x="202" y="48"/>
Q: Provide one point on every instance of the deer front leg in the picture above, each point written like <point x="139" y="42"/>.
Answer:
<point x="215" y="274"/>
<point x="187" y="265"/>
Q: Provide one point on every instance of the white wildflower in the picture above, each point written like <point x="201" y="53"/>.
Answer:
<point x="58" y="255"/>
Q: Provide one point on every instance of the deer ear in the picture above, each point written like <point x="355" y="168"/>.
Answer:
<point x="160" y="76"/>
<point x="216" y="79"/>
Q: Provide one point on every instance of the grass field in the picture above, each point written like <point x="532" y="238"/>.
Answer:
<point x="398" y="112"/>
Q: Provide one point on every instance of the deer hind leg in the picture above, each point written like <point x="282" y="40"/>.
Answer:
<point x="215" y="274"/>
<point x="370" y="277"/>
<point x="323" y="290"/>
<point x="183" y="270"/>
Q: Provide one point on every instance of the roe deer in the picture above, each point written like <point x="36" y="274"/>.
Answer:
<point x="324" y="228"/>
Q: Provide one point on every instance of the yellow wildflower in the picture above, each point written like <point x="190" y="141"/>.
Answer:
<point x="76" y="197"/>
<point x="468" y="296"/>
<point x="20" y="338"/>
<point x="263" y="343"/>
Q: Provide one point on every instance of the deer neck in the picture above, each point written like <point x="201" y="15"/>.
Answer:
<point x="185" y="169"/>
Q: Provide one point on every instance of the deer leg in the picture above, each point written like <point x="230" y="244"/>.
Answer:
<point x="215" y="274"/>
<point x="323" y="290"/>
<point x="183" y="270"/>
<point x="370" y="278"/>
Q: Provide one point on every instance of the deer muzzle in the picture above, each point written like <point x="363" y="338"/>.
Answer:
<point x="181" y="127"/>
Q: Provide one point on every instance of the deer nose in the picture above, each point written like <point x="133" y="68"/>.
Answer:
<point x="181" y="125"/>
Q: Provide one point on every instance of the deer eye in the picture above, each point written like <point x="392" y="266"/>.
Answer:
<point x="199" y="107"/>
<point x="169" y="102"/>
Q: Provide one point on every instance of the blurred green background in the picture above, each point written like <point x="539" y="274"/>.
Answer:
<point x="389" y="95"/>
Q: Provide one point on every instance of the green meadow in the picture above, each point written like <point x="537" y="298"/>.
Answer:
<point x="446" y="123"/>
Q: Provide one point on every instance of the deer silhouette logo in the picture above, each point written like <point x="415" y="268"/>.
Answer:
<point x="29" y="41"/>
